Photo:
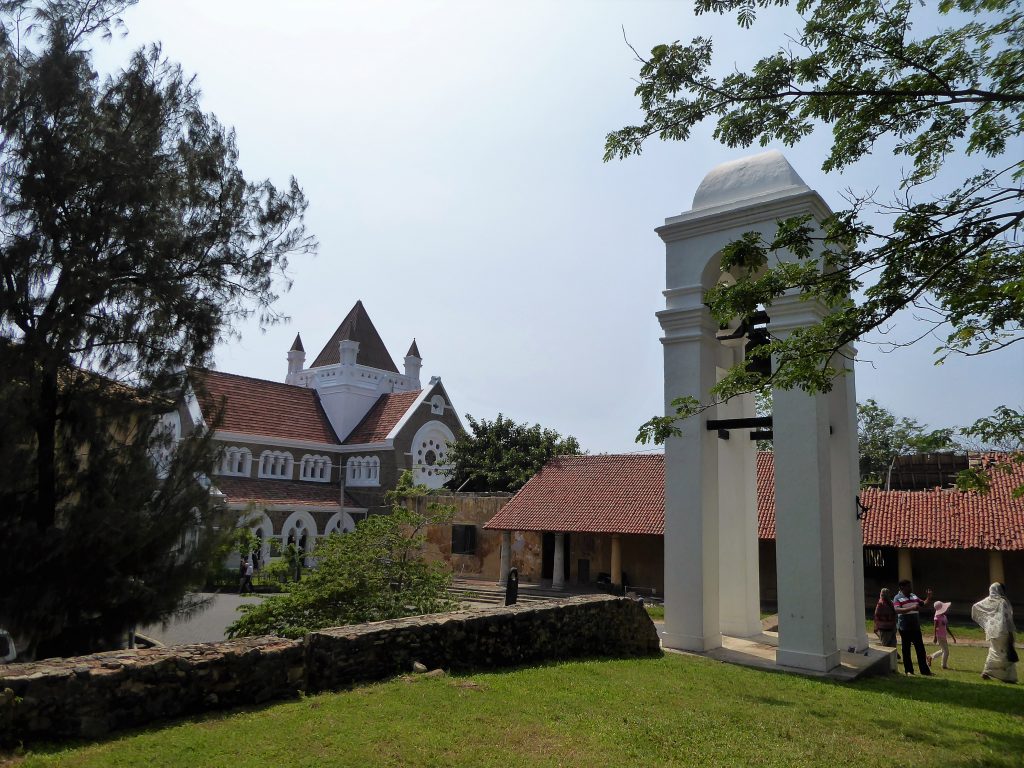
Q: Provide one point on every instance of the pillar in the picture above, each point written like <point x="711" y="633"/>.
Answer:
<point x="739" y="580"/>
<point x="995" y="567"/>
<point x="805" y="545"/>
<point x="906" y="570"/>
<point x="616" y="560"/>
<point x="506" y="557"/>
<point x="558" y="569"/>
<point x="848" y="535"/>
<point x="691" y="479"/>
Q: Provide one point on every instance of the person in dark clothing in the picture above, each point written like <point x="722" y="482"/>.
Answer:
<point x="885" y="619"/>
<point x="908" y="620"/>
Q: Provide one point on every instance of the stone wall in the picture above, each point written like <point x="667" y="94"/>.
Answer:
<point x="89" y="696"/>
<point x="589" y="625"/>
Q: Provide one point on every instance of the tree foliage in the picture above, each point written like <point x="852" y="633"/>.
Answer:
<point x="884" y="437"/>
<point x="947" y="247"/>
<point x="375" y="572"/>
<point x="130" y="240"/>
<point x="502" y="455"/>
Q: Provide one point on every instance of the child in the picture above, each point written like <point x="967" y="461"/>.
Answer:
<point x="939" y="636"/>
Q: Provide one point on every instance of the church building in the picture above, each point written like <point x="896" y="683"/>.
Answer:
<point x="315" y="453"/>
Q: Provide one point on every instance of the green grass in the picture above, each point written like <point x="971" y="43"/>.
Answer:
<point x="674" y="710"/>
<point x="656" y="612"/>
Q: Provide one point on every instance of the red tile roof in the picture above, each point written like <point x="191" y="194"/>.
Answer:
<point x="590" y="494"/>
<point x="625" y="494"/>
<point x="246" y="490"/>
<point x="382" y="418"/>
<point x="260" y="407"/>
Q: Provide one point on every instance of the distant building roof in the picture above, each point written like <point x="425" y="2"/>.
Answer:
<point x="260" y="407"/>
<point x="297" y="344"/>
<point x="590" y="494"/>
<point x="625" y="494"/>
<point x="414" y="351"/>
<point x="357" y="326"/>
<point x="246" y="490"/>
<point x="382" y="417"/>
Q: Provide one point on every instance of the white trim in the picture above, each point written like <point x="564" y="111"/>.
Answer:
<point x="386" y="445"/>
<point x="242" y="506"/>
<point x="275" y="441"/>
<point x="288" y="471"/>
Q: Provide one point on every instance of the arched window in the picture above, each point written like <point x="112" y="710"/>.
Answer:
<point x="362" y="471"/>
<point x="315" y="468"/>
<point x="341" y="522"/>
<point x="277" y="464"/>
<point x="235" y="461"/>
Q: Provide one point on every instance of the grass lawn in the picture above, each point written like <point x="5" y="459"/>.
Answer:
<point x="675" y="710"/>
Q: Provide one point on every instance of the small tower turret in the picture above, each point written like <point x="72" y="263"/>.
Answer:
<point x="296" y="360"/>
<point x="413" y="363"/>
<point x="347" y="351"/>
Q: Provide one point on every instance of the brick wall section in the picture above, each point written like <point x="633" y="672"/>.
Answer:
<point x="89" y="696"/>
<point x="590" y="625"/>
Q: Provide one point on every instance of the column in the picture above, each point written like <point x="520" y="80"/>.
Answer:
<point x="906" y="570"/>
<point x="803" y="513"/>
<point x="506" y="557"/>
<point x="848" y="536"/>
<point x="691" y="480"/>
<point x="616" y="560"/>
<point x="739" y="580"/>
<point x="995" y="567"/>
<point x="558" y="569"/>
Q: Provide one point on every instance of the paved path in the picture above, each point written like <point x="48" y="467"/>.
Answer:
<point x="207" y="626"/>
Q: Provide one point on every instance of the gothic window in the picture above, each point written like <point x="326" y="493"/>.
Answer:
<point x="315" y="468"/>
<point x="276" y="464"/>
<point x="235" y="461"/>
<point x="437" y="405"/>
<point x="429" y="454"/>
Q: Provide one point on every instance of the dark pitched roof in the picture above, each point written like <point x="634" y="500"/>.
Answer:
<point x="414" y="351"/>
<point x="246" y="490"/>
<point x="626" y="494"/>
<point x="357" y="326"/>
<point x="382" y="417"/>
<point x="591" y="494"/>
<point x="297" y="344"/>
<point x="260" y="407"/>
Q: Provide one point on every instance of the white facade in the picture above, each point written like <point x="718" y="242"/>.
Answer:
<point x="711" y="560"/>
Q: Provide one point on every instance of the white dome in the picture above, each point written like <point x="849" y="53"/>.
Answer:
<point x="747" y="178"/>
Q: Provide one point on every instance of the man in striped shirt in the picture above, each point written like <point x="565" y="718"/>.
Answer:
<point x="908" y="621"/>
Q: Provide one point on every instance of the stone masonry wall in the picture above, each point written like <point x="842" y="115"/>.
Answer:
<point x="89" y="696"/>
<point x="590" y="625"/>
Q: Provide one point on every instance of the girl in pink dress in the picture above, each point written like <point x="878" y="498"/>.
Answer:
<point x="942" y="630"/>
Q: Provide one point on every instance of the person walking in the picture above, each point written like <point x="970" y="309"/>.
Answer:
<point x="885" y="619"/>
<point x="939" y="635"/>
<point x="995" y="616"/>
<point x="908" y="620"/>
<point x="247" y="579"/>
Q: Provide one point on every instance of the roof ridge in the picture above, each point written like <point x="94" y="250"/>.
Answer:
<point x="254" y="378"/>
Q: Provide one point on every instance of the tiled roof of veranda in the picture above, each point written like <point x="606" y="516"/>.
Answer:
<point x="625" y="494"/>
<point x="246" y="490"/>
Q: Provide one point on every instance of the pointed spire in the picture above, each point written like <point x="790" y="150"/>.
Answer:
<point x="297" y="344"/>
<point x="357" y="326"/>
<point x="414" y="351"/>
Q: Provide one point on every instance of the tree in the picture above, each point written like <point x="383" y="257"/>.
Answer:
<point x="130" y="242"/>
<point x="501" y="455"/>
<point x="884" y="437"/>
<point x="373" y="573"/>
<point x="948" y="248"/>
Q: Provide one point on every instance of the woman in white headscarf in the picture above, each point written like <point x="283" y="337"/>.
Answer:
<point x="995" y="616"/>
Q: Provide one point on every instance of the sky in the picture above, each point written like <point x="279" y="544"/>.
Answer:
<point x="451" y="153"/>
